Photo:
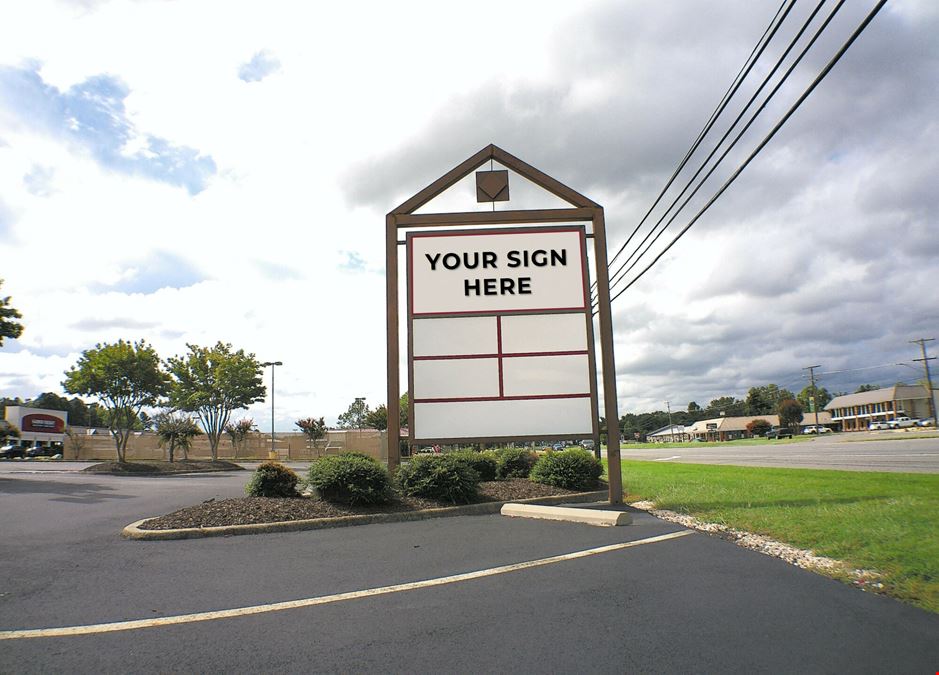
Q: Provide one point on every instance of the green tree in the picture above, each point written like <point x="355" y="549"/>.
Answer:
<point x="125" y="377"/>
<point x="790" y="413"/>
<point x="822" y="397"/>
<point x="8" y="430"/>
<point x="213" y="382"/>
<point x="9" y="326"/>
<point x="79" y="413"/>
<point x="866" y="387"/>
<point x="354" y="417"/>
<point x="313" y="428"/>
<point x="764" y="400"/>
<point x="378" y="418"/>
<point x="693" y="407"/>
<point x="175" y="430"/>
<point x="238" y="432"/>
<point x="730" y="406"/>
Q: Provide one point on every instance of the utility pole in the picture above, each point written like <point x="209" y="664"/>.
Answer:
<point x="926" y="359"/>
<point x="811" y="370"/>
<point x="671" y="429"/>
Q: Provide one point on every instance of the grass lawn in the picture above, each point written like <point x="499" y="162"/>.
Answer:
<point x="887" y="522"/>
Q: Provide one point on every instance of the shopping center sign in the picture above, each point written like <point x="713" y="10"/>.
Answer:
<point x="501" y="337"/>
<point x="500" y="331"/>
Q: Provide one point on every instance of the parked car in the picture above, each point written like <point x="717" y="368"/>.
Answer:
<point x="901" y="422"/>
<point x="812" y="429"/>
<point x="559" y="446"/>
<point x="927" y="422"/>
<point x="12" y="451"/>
<point x="41" y="451"/>
<point x="878" y="424"/>
<point x="779" y="432"/>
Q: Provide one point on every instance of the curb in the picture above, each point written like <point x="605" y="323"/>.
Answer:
<point x="133" y="530"/>
<point x="597" y="517"/>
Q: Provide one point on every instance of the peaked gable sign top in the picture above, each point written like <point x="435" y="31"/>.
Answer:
<point x="512" y="162"/>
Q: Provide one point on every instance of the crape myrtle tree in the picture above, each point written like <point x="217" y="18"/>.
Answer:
<point x="175" y="430"/>
<point x="238" y="432"/>
<point x="758" y="427"/>
<point x="313" y="428"/>
<point x="212" y="382"/>
<point x="9" y="326"/>
<point x="125" y="377"/>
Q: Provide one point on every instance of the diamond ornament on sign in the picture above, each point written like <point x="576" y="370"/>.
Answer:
<point x="492" y="186"/>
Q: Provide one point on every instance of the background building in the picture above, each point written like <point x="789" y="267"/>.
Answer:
<point x="856" y="411"/>
<point x="38" y="426"/>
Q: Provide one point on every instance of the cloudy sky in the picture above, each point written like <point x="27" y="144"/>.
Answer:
<point x="187" y="172"/>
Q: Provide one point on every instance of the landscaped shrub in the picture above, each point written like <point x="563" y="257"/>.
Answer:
<point x="515" y="463"/>
<point x="447" y="478"/>
<point x="483" y="463"/>
<point x="573" y="469"/>
<point x="350" y="478"/>
<point x="272" y="479"/>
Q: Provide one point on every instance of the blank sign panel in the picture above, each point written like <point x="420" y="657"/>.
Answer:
<point x="469" y="335"/>
<point x="480" y="419"/>
<point x="541" y="375"/>
<point x="544" y="333"/>
<point x="456" y="378"/>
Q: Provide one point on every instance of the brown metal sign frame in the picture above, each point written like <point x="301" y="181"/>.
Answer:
<point x="582" y="210"/>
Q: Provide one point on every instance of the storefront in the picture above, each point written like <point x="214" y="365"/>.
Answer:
<point x="38" y="427"/>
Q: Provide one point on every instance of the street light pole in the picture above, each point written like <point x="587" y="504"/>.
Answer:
<point x="273" y="365"/>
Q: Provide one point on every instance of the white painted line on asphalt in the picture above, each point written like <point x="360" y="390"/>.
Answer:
<point x="665" y="459"/>
<point x="68" y="631"/>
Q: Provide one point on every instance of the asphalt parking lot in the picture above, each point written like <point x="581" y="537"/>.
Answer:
<point x="694" y="603"/>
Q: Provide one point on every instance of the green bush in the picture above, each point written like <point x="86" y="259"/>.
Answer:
<point x="272" y="479"/>
<point x="483" y="463"/>
<point x="350" y="478"/>
<point x="446" y="478"/>
<point x="515" y="463"/>
<point x="573" y="469"/>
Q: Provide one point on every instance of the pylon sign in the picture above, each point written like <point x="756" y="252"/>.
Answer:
<point x="501" y="337"/>
<point x="500" y="322"/>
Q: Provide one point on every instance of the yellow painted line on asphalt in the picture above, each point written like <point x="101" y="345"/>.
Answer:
<point x="94" y="629"/>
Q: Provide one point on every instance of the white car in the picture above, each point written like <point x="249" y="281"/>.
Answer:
<point x="880" y="424"/>
<point x="901" y="422"/>
<point x="928" y="422"/>
<point x="816" y="430"/>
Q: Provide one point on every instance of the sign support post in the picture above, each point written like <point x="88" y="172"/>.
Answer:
<point x="583" y="210"/>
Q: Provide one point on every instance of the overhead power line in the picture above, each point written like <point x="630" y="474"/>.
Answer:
<point x="821" y="76"/>
<point x="623" y="270"/>
<point x="742" y="74"/>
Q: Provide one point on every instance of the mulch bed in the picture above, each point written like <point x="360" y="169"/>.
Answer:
<point x="250" y="510"/>
<point x="156" y="468"/>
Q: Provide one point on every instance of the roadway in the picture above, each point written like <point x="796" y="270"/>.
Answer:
<point x="862" y="451"/>
<point x="694" y="603"/>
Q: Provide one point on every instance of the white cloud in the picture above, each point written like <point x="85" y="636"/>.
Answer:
<point x="273" y="244"/>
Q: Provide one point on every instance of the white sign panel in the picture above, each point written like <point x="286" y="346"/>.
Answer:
<point x="485" y="361"/>
<point x="496" y="271"/>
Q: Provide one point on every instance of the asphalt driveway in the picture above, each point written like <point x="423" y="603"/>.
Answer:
<point x="692" y="604"/>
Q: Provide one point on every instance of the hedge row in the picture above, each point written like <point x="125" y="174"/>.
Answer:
<point x="354" y="478"/>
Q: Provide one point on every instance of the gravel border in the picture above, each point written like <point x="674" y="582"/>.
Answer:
<point x="800" y="557"/>
<point x="133" y="531"/>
